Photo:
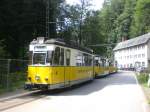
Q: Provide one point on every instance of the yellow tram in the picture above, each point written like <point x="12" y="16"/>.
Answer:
<point x="56" y="64"/>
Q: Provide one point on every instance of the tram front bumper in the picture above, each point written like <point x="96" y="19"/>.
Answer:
<point x="28" y="86"/>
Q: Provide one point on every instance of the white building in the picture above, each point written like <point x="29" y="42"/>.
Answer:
<point x="133" y="53"/>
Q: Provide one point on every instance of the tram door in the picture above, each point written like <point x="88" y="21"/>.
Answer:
<point x="67" y="68"/>
<point x="58" y="69"/>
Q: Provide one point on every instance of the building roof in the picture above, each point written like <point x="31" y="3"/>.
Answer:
<point x="133" y="42"/>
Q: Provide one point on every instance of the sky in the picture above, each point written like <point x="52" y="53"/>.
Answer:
<point x="97" y="4"/>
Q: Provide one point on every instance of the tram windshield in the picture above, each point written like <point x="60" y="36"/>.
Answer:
<point x="49" y="58"/>
<point x="42" y="58"/>
<point x="39" y="58"/>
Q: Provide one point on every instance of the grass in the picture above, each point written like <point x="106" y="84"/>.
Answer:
<point x="143" y="79"/>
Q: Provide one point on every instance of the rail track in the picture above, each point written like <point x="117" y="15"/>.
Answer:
<point x="28" y="97"/>
<point x="20" y="99"/>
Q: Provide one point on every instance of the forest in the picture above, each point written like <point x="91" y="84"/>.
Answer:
<point x="21" y="21"/>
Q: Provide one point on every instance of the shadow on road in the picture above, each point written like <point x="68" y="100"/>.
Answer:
<point x="121" y="78"/>
<point x="117" y="79"/>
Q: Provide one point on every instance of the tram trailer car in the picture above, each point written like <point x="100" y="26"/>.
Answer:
<point x="56" y="64"/>
<point x="102" y="66"/>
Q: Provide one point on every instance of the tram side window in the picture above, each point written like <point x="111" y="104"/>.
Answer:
<point x="56" y="56"/>
<point x="89" y="60"/>
<point x="107" y="63"/>
<point x="62" y="57"/>
<point x="68" y="53"/>
<point x="79" y="60"/>
<point x="49" y="57"/>
<point x="96" y="62"/>
<point x="103" y="63"/>
<point x="85" y="61"/>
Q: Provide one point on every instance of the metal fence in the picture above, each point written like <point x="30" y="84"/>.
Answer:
<point x="12" y="74"/>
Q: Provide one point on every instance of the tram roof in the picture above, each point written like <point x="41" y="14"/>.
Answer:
<point x="61" y="42"/>
<point x="133" y="42"/>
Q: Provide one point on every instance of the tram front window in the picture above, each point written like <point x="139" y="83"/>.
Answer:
<point x="39" y="58"/>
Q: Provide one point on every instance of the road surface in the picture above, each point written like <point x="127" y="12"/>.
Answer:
<point x="115" y="93"/>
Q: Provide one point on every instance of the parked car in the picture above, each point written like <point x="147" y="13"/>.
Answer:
<point x="140" y="69"/>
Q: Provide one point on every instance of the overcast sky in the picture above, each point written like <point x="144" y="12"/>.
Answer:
<point x="97" y="4"/>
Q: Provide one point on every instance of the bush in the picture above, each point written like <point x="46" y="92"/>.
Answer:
<point x="143" y="78"/>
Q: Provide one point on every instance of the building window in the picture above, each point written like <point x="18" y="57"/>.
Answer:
<point x="143" y="64"/>
<point x="129" y="49"/>
<point x="139" y="56"/>
<point x="131" y="66"/>
<point x="130" y="56"/>
<point x="143" y="55"/>
<point x="139" y="64"/>
<point x="143" y="47"/>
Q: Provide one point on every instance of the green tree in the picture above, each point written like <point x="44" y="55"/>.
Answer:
<point x="124" y="20"/>
<point x="75" y="16"/>
<point x="111" y="10"/>
<point x="3" y="53"/>
<point x="91" y="32"/>
<point x="23" y="20"/>
<point x="141" y="23"/>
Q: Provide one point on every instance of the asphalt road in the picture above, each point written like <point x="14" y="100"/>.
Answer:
<point x="115" y="93"/>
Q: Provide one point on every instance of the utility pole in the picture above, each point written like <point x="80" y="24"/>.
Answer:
<point x="47" y="18"/>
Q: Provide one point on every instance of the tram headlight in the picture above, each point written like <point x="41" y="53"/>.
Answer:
<point x="37" y="77"/>
<point x="46" y="78"/>
<point x="29" y="78"/>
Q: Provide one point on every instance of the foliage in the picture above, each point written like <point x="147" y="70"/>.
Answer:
<point x="141" y="23"/>
<point x="23" y="20"/>
<point x="91" y="32"/>
<point x="124" y="19"/>
<point x="142" y="78"/>
<point x="3" y="53"/>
